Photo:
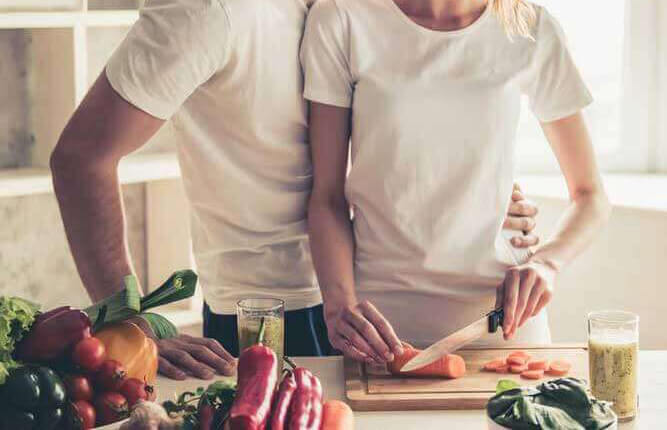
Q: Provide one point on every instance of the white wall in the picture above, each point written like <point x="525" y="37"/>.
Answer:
<point x="625" y="268"/>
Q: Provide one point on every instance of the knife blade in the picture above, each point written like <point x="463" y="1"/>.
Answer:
<point x="488" y="324"/>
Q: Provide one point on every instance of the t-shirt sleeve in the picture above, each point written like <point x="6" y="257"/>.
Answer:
<point x="553" y="83"/>
<point x="174" y="47"/>
<point x="324" y="56"/>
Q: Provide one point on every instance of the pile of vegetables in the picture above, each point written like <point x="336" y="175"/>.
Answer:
<point x="257" y="401"/>
<point x="563" y="404"/>
<point x="521" y="363"/>
<point x="75" y="369"/>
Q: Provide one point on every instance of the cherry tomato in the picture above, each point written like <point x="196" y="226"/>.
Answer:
<point x="111" y="407"/>
<point x="110" y="376"/>
<point x="89" y="354"/>
<point x="84" y="413"/>
<point x="78" y="387"/>
<point x="134" y="389"/>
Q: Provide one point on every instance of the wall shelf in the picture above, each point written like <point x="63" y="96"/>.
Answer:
<point x="98" y="18"/>
<point x="133" y="169"/>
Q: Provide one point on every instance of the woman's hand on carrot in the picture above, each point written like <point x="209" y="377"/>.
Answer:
<point x="521" y="216"/>
<point x="526" y="290"/>
<point x="361" y="332"/>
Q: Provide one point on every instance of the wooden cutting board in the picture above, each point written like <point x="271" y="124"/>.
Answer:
<point x="372" y="388"/>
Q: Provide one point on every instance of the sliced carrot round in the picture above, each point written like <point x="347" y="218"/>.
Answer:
<point x="502" y="369"/>
<point x="494" y="364"/>
<point x="515" y="360"/>
<point x="522" y="354"/>
<point x="520" y="368"/>
<point x="559" y="368"/>
<point x="538" y="365"/>
<point x="532" y="374"/>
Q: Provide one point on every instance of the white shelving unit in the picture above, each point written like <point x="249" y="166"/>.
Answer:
<point x="59" y="76"/>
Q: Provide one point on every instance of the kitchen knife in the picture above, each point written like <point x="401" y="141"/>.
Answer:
<point x="488" y="324"/>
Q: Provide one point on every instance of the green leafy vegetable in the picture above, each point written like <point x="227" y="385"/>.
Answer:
<point x="161" y="326"/>
<point x="16" y="317"/>
<point x="219" y="394"/>
<point x="563" y="404"/>
<point x="181" y="285"/>
<point x="505" y="385"/>
<point x="117" y="307"/>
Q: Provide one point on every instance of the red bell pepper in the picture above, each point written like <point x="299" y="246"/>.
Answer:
<point x="302" y="401"/>
<point x="282" y="403"/>
<point x="256" y="382"/>
<point x="315" y="418"/>
<point x="52" y="334"/>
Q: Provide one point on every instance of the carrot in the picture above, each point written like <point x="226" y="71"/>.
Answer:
<point x="532" y="374"/>
<point x="518" y="368"/>
<point x="336" y="415"/>
<point x="559" y="368"/>
<point x="502" y="369"/>
<point x="521" y="354"/>
<point x="449" y="366"/>
<point x="492" y="365"/>
<point x="538" y="365"/>
<point x="515" y="360"/>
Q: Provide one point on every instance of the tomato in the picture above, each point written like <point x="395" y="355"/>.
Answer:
<point x="134" y="390"/>
<point x="89" y="354"/>
<point x="111" y="407"/>
<point x="79" y="388"/>
<point x="110" y="376"/>
<point x="84" y="414"/>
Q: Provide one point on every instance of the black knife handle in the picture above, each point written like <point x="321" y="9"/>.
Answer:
<point x="495" y="319"/>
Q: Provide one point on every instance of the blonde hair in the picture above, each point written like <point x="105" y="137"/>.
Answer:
<point x="517" y="17"/>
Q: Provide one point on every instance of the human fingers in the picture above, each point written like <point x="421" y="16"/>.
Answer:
<point x="211" y="344"/>
<point x="533" y="300"/>
<point x="528" y="277"/>
<point x="525" y="241"/>
<point x="205" y="355"/>
<point x="184" y="361"/>
<point x="510" y="297"/>
<point x="348" y="350"/>
<point x="354" y="338"/>
<point x="370" y="334"/>
<point x="520" y="223"/>
<point x="383" y="326"/>
<point x="169" y="370"/>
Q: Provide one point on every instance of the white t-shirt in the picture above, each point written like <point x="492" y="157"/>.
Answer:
<point x="434" y="116"/>
<point x="227" y="72"/>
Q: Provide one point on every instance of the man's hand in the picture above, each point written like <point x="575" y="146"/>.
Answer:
<point x="526" y="290"/>
<point x="187" y="355"/>
<point x="360" y="332"/>
<point x="521" y="216"/>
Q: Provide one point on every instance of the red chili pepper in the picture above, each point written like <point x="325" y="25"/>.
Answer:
<point x="282" y="403"/>
<point x="302" y="400"/>
<point x="206" y="412"/>
<point x="256" y="380"/>
<point x="52" y="334"/>
<point x="315" y="418"/>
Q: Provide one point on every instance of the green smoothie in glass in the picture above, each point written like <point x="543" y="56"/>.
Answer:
<point x="250" y="313"/>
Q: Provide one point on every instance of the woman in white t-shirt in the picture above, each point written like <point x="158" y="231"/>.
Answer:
<point x="428" y="95"/>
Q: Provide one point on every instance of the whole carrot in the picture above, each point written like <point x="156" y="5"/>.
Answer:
<point x="337" y="415"/>
<point x="450" y="366"/>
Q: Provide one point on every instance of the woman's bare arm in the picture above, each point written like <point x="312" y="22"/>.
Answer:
<point x="355" y="328"/>
<point x="527" y="288"/>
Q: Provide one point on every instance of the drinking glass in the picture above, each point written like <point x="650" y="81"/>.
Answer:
<point x="250" y="313"/>
<point x="613" y="349"/>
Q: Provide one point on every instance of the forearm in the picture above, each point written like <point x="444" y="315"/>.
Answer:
<point x="92" y="211"/>
<point x="332" y="248"/>
<point x="587" y="212"/>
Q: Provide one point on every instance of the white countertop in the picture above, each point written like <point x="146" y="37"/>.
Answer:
<point x="652" y="395"/>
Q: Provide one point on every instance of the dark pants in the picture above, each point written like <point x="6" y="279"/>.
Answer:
<point x="305" y="332"/>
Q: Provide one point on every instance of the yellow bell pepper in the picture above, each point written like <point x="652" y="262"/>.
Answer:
<point x="128" y="344"/>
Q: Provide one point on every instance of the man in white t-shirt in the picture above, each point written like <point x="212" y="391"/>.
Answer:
<point x="227" y="73"/>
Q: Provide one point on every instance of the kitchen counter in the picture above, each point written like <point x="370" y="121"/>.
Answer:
<point x="652" y="394"/>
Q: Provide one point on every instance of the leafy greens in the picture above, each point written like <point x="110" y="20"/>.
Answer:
<point x="558" y="404"/>
<point x="16" y="317"/>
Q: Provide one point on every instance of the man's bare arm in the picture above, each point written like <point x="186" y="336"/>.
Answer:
<point x="84" y="164"/>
